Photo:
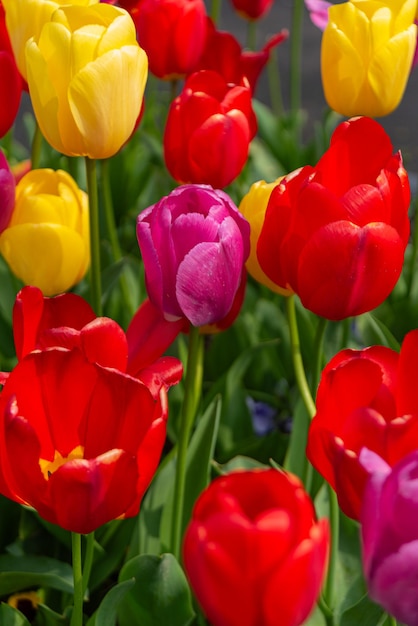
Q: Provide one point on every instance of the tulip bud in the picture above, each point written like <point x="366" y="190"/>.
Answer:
<point x="87" y="102"/>
<point x="366" y="56"/>
<point x="254" y="552"/>
<point x="252" y="9"/>
<point x="46" y="243"/>
<point x="181" y="28"/>
<point x="194" y="243"/>
<point x="336" y="233"/>
<point x="390" y="534"/>
<point x="208" y="131"/>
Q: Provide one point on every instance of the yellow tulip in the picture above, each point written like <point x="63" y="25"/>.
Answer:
<point x="366" y="55"/>
<point x="25" y="19"/>
<point x="253" y="207"/>
<point x="86" y="76"/>
<point x="47" y="241"/>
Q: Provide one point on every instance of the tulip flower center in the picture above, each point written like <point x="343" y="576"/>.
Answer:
<point x="49" y="467"/>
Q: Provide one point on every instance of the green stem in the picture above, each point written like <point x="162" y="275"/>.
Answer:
<point x="112" y="233"/>
<point x="77" y="614"/>
<point x="295" y="55"/>
<point x="36" y="147"/>
<point x="192" y="391"/>
<point x="297" y="357"/>
<point x="88" y="561"/>
<point x="334" y="519"/>
<point x="215" y="11"/>
<point x="252" y="34"/>
<point x="391" y="621"/>
<point x="95" y="274"/>
<point x="273" y="73"/>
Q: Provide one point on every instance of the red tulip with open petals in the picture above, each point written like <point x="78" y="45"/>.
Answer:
<point x="366" y="398"/>
<point x="336" y="234"/>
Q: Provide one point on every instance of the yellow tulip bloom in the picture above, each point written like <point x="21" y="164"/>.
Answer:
<point x="25" y="19"/>
<point x="47" y="241"/>
<point x="366" y="55"/>
<point x="86" y="76"/>
<point x="253" y="207"/>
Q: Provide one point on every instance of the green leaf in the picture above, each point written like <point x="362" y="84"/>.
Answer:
<point x="365" y="612"/>
<point x="11" y="617"/>
<point x="106" y="614"/>
<point x="47" y="617"/>
<point x="296" y="460"/>
<point x="161" y="594"/>
<point x="23" y="572"/>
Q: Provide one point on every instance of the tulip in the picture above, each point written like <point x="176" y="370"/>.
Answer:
<point x="366" y="55"/>
<point x="335" y="234"/>
<point x="172" y="33"/>
<point x="46" y="242"/>
<point x="253" y="207"/>
<point x="252" y="9"/>
<point x="87" y="102"/>
<point x="208" y="130"/>
<point x="224" y="54"/>
<point x="390" y="535"/>
<point x="254" y="552"/>
<point x="318" y="12"/>
<point x="194" y="243"/>
<point x="80" y="441"/>
<point x="26" y="18"/>
<point x="366" y="398"/>
<point x="7" y="192"/>
<point x="10" y="79"/>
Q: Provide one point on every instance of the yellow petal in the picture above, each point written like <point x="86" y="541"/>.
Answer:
<point x="106" y="97"/>
<point x="47" y="256"/>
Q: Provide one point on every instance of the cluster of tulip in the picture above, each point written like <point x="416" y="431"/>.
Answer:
<point x="84" y="411"/>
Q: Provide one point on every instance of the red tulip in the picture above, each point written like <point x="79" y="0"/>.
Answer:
<point x="252" y="9"/>
<point x="172" y="33"/>
<point x="81" y="435"/>
<point x="366" y="398"/>
<point x="335" y="234"/>
<point x="208" y="131"/>
<point x="254" y="552"/>
<point x="11" y="83"/>
<point x="224" y="54"/>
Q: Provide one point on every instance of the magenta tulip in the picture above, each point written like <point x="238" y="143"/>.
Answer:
<point x="194" y="243"/>
<point x="390" y="534"/>
<point x="7" y="192"/>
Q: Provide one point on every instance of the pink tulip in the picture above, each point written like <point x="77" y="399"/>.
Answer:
<point x="194" y="243"/>
<point x="7" y="192"/>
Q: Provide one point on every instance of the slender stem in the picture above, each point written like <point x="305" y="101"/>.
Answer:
<point x="36" y="147"/>
<point x="273" y="73"/>
<point x="95" y="274"/>
<point x="252" y="34"/>
<point x="77" y="615"/>
<point x="215" y="11"/>
<point x="297" y="357"/>
<point x="410" y="276"/>
<point x="193" y="385"/>
<point x="334" y="519"/>
<point x="295" y="55"/>
<point x="113" y="233"/>
<point x="88" y="560"/>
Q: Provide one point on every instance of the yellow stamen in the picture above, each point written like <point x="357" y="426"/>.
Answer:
<point x="49" y="467"/>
